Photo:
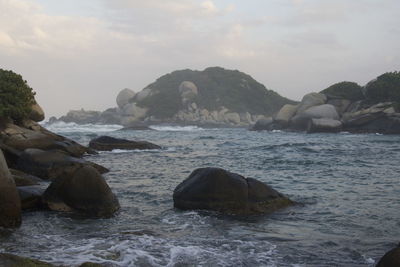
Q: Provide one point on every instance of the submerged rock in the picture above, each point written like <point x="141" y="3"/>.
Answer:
<point x="10" y="206"/>
<point x="219" y="190"/>
<point x="84" y="191"/>
<point x="107" y="143"/>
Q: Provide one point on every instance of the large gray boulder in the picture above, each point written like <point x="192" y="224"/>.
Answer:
<point x="37" y="113"/>
<point x="107" y="143"/>
<point x="124" y="96"/>
<point x="219" y="190"/>
<point x="325" y="111"/>
<point x="84" y="191"/>
<point x="10" y="205"/>
<point x="264" y="124"/>
<point x="340" y="104"/>
<point x="188" y="91"/>
<point x="310" y="100"/>
<point x="324" y="126"/>
<point x="285" y="114"/>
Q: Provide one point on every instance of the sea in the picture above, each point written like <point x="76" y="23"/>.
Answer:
<point x="346" y="187"/>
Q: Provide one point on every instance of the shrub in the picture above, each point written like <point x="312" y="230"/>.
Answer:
<point x="348" y="90"/>
<point x="16" y="97"/>
<point x="384" y="88"/>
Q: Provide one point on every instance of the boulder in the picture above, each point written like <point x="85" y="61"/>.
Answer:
<point x="310" y="100"/>
<point x="340" y="104"/>
<point x="124" y="96"/>
<point x="324" y="126"/>
<point x="219" y="190"/>
<point x="10" y="260"/>
<point x="50" y="164"/>
<point x="31" y="196"/>
<point x="84" y="191"/>
<point x="107" y="143"/>
<point x="374" y="123"/>
<point x="232" y="118"/>
<point x="264" y="124"/>
<point x="10" y="205"/>
<point x="188" y="91"/>
<point x="133" y="110"/>
<point x="37" y="113"/>
<point x="285" y="114"/>
<point x="325" y="111"/>
<point x="81" y="116"/>
<point x="32" y="135"/>
<point x="140" y="96"/>
<point x="24" y="179"/>
<point x="391" y="258"/>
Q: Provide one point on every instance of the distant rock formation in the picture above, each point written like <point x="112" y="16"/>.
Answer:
<point x="215" y="97"/>
<point x="345" y="106"/>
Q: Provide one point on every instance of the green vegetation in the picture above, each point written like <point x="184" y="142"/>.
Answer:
<point x="217" y="87"/>
<point x="348" y="90"/>
<point x="16" y="97"/>
<point x="385" y="88"/>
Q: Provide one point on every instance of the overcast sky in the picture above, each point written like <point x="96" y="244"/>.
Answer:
<point x="81" y="53"/>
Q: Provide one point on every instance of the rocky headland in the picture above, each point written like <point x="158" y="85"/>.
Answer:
<point x="345" y="106"/>
<point x="212" y="97"/>
<point x="40" y="169"/>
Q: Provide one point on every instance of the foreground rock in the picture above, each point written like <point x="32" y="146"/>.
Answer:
<point x="51" y="164"/>
<point x="10" y="206"/>
<point x="29" y="134"/>
<point x="391" y="258"/>
<point x="219" y="190"/>
<point x="10" y="260"/>
<point x="107" y="143"/>
<point x="84" y="191"/>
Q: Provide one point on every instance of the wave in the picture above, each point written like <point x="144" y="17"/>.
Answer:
<point x="176" y="128"/>
<point x="72" y="127"/>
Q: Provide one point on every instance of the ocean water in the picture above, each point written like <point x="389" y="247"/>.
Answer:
<point x="347" y="187"/>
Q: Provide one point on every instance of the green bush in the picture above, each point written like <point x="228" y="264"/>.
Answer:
<point x="385" y="88"/>
<point x="348" y="90"/>
<point x="16" y="97"/>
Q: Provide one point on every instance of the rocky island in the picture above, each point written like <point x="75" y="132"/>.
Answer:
<point x="212" y="97"/>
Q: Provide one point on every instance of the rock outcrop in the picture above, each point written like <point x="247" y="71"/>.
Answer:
<point x="213" y="97"/>
<point x="107" y="143"/>
<point x="84" y="190"/>
<point x="345" y="106"/>
<point x="219" y="190"/>
<point x="10" y="204"/>
<point x="49" y="165"/>
<point x="124" y="96"/>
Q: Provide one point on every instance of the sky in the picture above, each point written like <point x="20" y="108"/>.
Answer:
<point x="79" y="54"/>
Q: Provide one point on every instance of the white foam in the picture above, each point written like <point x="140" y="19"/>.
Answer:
<point x="71" y="127"/>
<point x="176" y="128"/>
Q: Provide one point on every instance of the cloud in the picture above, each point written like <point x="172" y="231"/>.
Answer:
<point x="292" y="46"/>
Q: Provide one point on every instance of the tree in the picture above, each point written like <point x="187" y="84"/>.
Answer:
<point x="384" y="88"/>
<point x="16" y="97"/>
<point x="348" y="90"/>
